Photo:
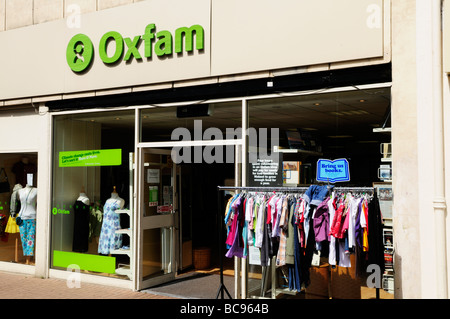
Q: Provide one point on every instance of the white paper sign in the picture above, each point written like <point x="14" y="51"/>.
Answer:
<point x="153" y="176"/>
<point x="30" y="179"/>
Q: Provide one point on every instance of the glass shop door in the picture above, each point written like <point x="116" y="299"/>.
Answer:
<point x="157" y="209"/>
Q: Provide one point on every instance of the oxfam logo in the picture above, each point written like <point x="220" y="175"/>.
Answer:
<point x="80" y="50"/>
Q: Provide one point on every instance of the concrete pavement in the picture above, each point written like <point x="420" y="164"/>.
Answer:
<point x="20" y="286"/>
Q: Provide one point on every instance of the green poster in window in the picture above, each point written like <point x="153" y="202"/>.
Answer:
<point x="112" y="157"/>
<point x="153" y="196"/>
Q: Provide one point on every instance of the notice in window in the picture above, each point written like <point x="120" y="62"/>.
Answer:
<point x="153" y="176"/>
<point x="266" y="172"/>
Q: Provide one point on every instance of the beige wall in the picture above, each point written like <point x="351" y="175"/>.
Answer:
<point x="404" y="148"/>
<point x="23" y="132"/>
<point x="246" y="48"/>
<point x="254" y="35"/>
<point x="446" y="119"/>
<point x="20" y="13"/>
<point x="420" y="155"/>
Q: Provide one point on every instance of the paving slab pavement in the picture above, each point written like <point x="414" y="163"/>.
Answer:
<point x="20" y="286"/>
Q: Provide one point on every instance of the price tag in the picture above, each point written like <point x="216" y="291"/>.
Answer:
<point x="316" y="259"/>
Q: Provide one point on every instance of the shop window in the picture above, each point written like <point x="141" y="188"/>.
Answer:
<point x="309" y="128"/>
<point x="326" y="125"/>
<point x="90" y="217"/>
<point x="18" y="198"/>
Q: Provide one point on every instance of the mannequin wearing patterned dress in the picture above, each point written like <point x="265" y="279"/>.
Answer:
<point x="109" y="240"/>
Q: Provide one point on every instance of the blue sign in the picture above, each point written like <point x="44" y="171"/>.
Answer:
<point x="333" y="171"/>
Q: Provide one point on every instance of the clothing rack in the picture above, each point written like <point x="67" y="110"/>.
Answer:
<point x="222" y="287"/>
<point x="292" y="189"/>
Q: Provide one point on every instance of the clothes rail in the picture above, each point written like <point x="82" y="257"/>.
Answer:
<point x="222" y="287"/>
<point x="257" y="188"/>
<point x="293" y="189"/>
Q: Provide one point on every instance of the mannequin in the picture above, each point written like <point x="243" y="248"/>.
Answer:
<point x="81" y="223"/>
<point x="115" y="197"/>
<point x="109" y="240"/>
<point x="28" y="197"/>
<point x="83" y="197"/>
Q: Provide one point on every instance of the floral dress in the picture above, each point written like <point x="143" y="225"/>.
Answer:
<point x="109" y="240"/>
<point x="28" y="236"/>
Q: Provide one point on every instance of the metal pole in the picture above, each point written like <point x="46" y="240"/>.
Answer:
<point x="439" y="201"/>
<point x="222" y="287"/>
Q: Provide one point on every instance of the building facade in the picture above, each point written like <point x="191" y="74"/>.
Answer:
<point x="117" y="113"/>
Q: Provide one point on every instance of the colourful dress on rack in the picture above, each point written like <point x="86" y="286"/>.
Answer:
<point x="237" y="247"/>
<point x="109" y="240"/>
<point x="234" y="220"/>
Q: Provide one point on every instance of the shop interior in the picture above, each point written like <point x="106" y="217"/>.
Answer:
<point x="352" y="124"/>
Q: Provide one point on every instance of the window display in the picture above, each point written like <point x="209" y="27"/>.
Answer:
<point x="18" y="198"/>
<point x="90" y="185"/>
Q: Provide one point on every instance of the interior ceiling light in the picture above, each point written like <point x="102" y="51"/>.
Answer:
<point x="356" y="112"/>
<point x="316" y="104"/>
<point x="362" y="101"/>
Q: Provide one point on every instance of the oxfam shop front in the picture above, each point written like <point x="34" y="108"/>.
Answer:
<point x="137" y="212"/>
<point x="157" y="114"/>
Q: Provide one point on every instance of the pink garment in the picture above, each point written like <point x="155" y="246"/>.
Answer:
<point x="232" y="233"/>
<point x="344" y="228"/>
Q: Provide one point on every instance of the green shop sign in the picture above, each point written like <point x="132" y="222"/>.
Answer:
<point x="90" y="158"/>
<point x="80" y="50"/>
